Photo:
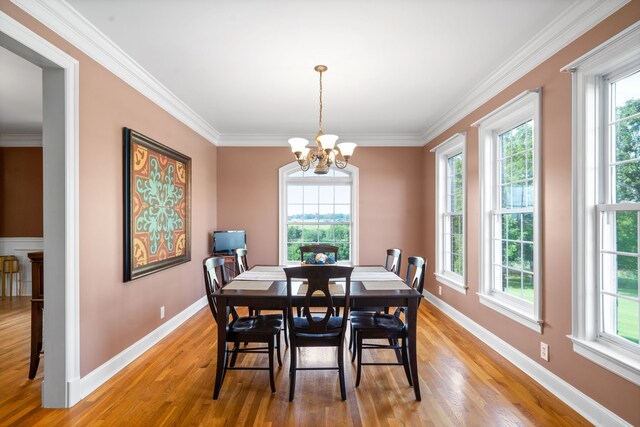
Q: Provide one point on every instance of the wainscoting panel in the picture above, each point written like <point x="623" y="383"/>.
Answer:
<point x="20" y="247"/>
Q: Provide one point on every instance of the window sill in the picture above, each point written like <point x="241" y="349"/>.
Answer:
<point x="453" y="284"/>
<point x="609" y="357"/>
<point x="522" y="317"/>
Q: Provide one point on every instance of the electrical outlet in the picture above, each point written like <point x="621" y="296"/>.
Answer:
<point x="439" y="290"/>
<point x="544" y="351"/>
<point x="162" y="312"/>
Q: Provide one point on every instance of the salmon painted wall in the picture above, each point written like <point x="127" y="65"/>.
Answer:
<point x="612" y="391"/>
<point x="113" y="314"/>
<point x="21" y="189"/>
<point x="389" y="195"/>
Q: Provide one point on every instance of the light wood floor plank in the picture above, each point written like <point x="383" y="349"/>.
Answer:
<point x="463" y="382"/>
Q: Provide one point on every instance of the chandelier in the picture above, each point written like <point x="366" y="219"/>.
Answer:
<point x="326" y="153"/>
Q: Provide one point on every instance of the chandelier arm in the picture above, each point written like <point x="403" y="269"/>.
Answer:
<point x="320" y="118"/>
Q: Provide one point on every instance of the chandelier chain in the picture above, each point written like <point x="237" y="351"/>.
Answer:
<point x="320" y="120"/>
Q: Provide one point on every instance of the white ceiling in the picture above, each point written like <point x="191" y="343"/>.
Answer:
<point x="20" y="95"/>
<point x="395" y="67"/>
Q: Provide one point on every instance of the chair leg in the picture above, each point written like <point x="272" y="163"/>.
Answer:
<point x="234" y="357"/>
<point x="271" y="380"/>
<point x="359" y="347"/>
<point x="405" y="361"/>
<point x="354" y="351"/>
<point x="351" y="337"/>
<point x="343" y="389"/>
<point x="278" y="348"/>
<point x="292" y="372"/>
<point x="285" y="319"/>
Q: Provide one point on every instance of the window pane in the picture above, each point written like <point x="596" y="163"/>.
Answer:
<point x="343" y="213"/>
<point x="627" y="231"/>
<point x="527" y="287"/>
<point x="294" y="233"/>
<point x="628" y="276"/>
<point x="294" y="194"/>
<point x="626" y="96"/>
<point x="344" y="254"/>
<point x="527" y="227"/>
<point x="294" y="213"/>
<point x="326" y="193"/>
<point x="343" y="194"/>
<point x="627" y="138"/>
<point x="527" y="256"/>
<point x="519" y="194"/>
<point x="519" y="167"/>
<point x="506" y="197"/>
<point x="326" y="213"/>
<point x="293" y="251"/>
<point x="514" y="256"/>
<point x="342" y="232"/>
<point x="514" y="225"/>
<point x="628" y="182"/>
<point x="310" y="234"/>
<point x="310" y="213"/>
<point x="325" y="234"/>
<point x="310" y="194"/>
<point x="628" y="320"/>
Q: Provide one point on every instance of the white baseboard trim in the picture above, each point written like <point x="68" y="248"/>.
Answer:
<point x="78" y="389"/>
<point x="593" y="411"/>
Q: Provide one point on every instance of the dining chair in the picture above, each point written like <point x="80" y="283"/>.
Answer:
<point x="316" y="249"/>
<point x="242" y="265"/>
<point x="388" y="326"/>
<point x="250" y="329"/>
<point x="394" y="260"/>
<point x="318" y="331"/>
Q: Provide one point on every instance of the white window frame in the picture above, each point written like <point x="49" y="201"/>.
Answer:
<point x="588" y="145"/>
<point x="520" y="109"/>
<point x="457" y="144"/>
<point x="284" y="179"/>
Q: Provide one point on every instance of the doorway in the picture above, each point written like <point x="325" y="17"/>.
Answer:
<point x="60" y="206"/>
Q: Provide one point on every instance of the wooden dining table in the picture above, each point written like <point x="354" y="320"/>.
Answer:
<point x="266" y="287"/>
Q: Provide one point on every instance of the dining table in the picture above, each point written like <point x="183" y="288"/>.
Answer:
<point x="266" y="287"/>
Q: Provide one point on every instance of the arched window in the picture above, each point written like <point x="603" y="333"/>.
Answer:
<point x="318" y="209"/>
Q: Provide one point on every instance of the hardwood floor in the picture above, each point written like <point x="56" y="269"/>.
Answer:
<point x="463" y="382"/>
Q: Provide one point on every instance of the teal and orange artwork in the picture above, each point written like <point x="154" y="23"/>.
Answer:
<point x="159" y="206"/>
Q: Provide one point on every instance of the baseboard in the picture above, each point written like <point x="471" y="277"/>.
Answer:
<point x="580" y="402"/>
<point x="80" y="388"/>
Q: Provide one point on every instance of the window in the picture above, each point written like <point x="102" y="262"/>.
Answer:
<point x="509" y="141"/>
<point x="606" y="204"/>
<point x="450" y="203"/>
<point x="318" y="209"/>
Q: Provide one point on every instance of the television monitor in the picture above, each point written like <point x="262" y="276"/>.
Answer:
<point x="227" y="241"/>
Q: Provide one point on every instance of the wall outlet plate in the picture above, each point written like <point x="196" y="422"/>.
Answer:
<point x="544" y="351"/>
<point x="439" y="290"/>
<point x="162" y="312"/>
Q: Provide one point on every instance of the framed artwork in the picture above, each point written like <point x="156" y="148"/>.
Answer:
<point x="157" y="206"/>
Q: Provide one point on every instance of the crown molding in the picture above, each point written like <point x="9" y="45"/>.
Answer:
<point x="21" y="140"/>
<point x="578" y="18"/>
<point x="64" y="20"/>
<point x="281" y="140"/>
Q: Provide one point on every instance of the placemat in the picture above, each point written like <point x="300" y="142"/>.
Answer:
<point x="249" y="285"/>
<point x="390" y="285"/>
<point x="334" y="289"/>
<point x="267" y="269"/>
<point x="373" y="276"/>
<point x="270" y="276"/>
<point x="369" y="269"/>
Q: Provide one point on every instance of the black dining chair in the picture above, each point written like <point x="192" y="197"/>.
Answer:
<point x="250" y="329"/>
<point x="317" y="249"/>
<point x="394" y="260"/>
<point x="242" y="265"/>
<point x="318" y="331"/>
<point x="388" y="326"/>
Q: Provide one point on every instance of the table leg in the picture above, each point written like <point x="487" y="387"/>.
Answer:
<point x="412" y="325"/>
<point x="221" y="305"/>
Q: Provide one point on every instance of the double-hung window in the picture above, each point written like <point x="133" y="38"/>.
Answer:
<point x="606" y="204"/>
<point x="509" y="141"/>
<point x="318" y="209"/>
<point x="450" y="205"/>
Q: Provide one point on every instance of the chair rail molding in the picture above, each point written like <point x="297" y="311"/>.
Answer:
<point x="578" y="18"/>
<point x="21" y="140"/>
